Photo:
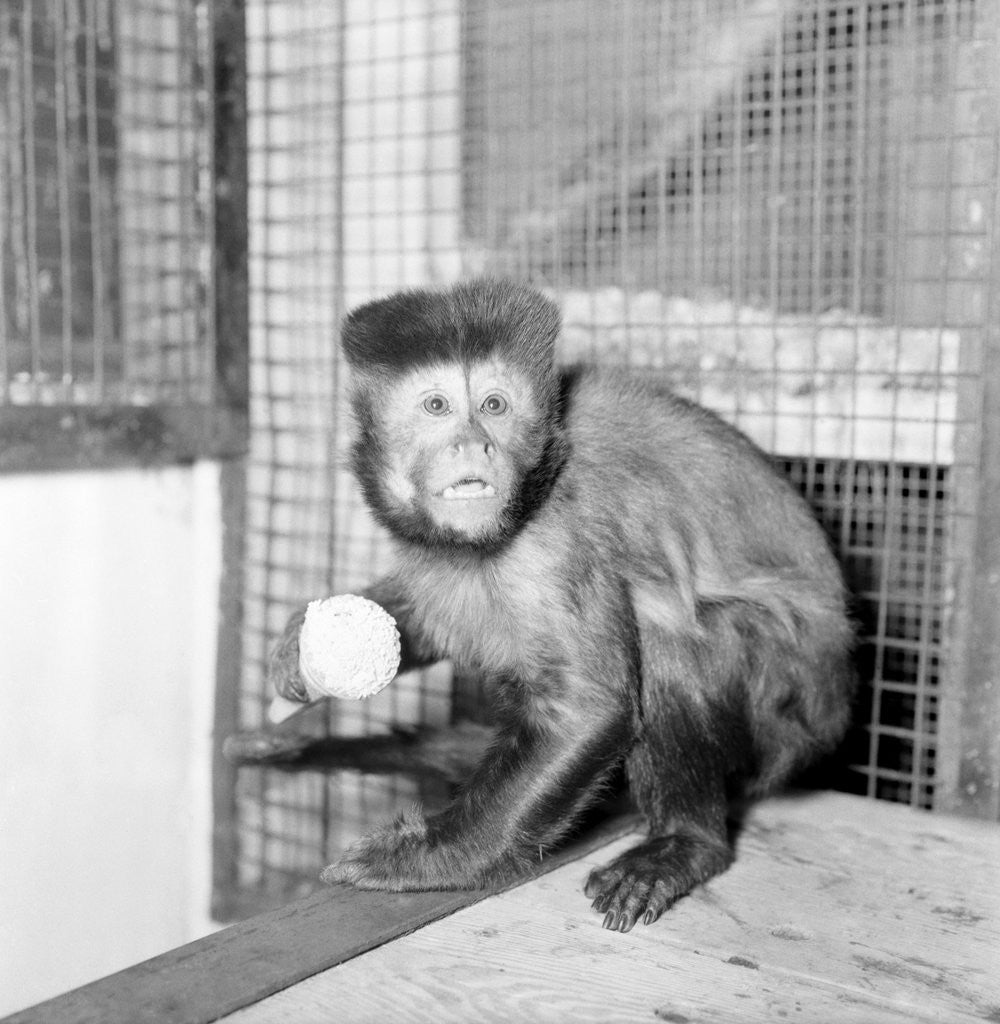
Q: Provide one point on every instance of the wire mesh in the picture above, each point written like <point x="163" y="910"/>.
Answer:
<point x="785" y="206"/>
<point x="353" y="190"/>
<point x="105" y="201"/>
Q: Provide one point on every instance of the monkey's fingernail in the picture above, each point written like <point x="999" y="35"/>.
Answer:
<point x="649" y="917"/>
<point x="610" y="920"/>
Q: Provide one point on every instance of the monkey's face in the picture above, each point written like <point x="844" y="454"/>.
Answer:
<point x="456" y="443"/>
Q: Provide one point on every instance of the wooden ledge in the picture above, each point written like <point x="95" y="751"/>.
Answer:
<point x="246" y="962"/>
<point x="837" y="908"/>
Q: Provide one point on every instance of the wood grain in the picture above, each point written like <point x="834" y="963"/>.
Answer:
<point x="837" y="910"/>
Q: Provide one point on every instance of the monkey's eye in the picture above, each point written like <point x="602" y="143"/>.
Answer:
<point x="495" y="405"/>
<point x="436" y="405"/>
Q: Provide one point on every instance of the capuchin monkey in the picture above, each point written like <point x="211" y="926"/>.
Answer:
<point x="634" y="580"/>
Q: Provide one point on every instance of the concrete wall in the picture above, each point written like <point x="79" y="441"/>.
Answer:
<point x="108" y="594"/>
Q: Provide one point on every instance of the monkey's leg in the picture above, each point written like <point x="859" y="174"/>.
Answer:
<point x="693" y="738"/>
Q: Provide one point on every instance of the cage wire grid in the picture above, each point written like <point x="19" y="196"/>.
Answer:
<point x="105" y="202"/>
<point x="785" y="206"/>
<point x="324" y="167"/>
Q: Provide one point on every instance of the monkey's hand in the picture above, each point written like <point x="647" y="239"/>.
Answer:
<point x="646" y="880"/>
<point x="283" y="670"/>
<point x="399" y="857"/>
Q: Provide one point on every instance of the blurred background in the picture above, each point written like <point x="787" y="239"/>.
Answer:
<point x="788" y="208"/>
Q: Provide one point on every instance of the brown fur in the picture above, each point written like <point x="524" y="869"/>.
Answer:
<point x="644" y="591"/>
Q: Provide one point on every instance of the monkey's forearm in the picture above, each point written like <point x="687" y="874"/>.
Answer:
<point x="530" y="789"/>
<point x="414" y="651"/>
<point x="524" y="797"/>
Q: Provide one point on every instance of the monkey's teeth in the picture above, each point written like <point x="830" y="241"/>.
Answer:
<point x="469" y="489"/>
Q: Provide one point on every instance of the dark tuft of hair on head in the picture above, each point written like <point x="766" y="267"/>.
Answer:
<point x="472" y="322"/>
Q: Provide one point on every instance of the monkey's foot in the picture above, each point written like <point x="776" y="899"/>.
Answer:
<point x="646" y="880"/>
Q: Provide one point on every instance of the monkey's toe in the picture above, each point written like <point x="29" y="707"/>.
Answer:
<point x="626" y="896"/>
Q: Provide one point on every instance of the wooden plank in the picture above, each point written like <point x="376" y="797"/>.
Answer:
<point x="230" y="279"/>
<point x="240" y="965"/>
<point x="837" y="909"/>
<point x="968" y="755"/>
<point x="228" y="670"/>
<point x="65" y="437"/>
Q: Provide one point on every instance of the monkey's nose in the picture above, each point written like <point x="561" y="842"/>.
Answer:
<point x="472" y="446"/>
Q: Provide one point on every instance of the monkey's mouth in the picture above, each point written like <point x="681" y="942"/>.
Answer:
<point x="469" y="488"/>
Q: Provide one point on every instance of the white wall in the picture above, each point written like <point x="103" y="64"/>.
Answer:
<point x="108" y="610"/>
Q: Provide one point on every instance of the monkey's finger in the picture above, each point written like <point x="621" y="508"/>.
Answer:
<point x="361" y="871"/>
<point x="659" y="899"/>
<point x="281" y="709"/>
<point x="628" y="901"/>
<point x="350" y="871"/>
<point x="619" y="921"/>
<point x="359" y="865"/>
<point x="603" y="882"/>
<point x="288" y="684"/>
<point x="332" y="874"/>
<point x="602" y="902"/>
